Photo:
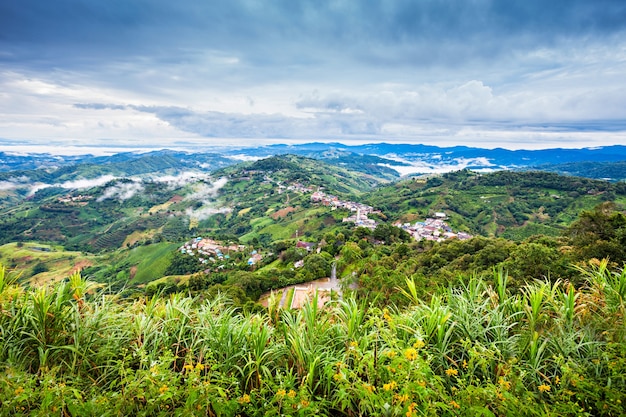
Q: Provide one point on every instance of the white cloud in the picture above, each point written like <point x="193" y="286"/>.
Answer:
<point x="205" y="212"/>
<point x="121" y="191"/>
<point x="206" y="192"/>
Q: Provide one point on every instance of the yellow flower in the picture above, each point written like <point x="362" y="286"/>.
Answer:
<point x="401" y="398"/>
<point x="291" y="393"/>
<point x="163" y="389"/>
<point x="390" y="386"/>
<point x="19" y="390"/>
<point x="245" y="399"/>
<point x="369" y="388"/>
<point x="452" y="372"/>
<point x="281" y="393"/>
<point x="354" y="344"/>
<point x="200" y="366"/>
<point x="410" y="354"/>
<point x="421" y="383"/>
<point x="387" y="316"/>
<point x="557" y="380"/>
<point x="419" y="343"/>
<point x="338" y="376"/>
<point x="464" y="364"/>
<point x="504" y="383"/>
<point x="454" y="404"/>
<point x="391" y="354"/>
<point x="304" y="403"/>
<point x="188" y="367"/>
<point x="544" y="388"/>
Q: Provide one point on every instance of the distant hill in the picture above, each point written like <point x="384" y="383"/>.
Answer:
<point x="383" y="160"/>
<point x="133" y="224"/>
<point x="609" y="171"/>
<point x="505" y="203"/>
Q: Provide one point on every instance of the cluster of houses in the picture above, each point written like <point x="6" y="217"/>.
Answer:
<point x="78" y="199"/>
<point x="360" y="210"/>
<point x="297" y="187"/>
<point x="208" y="250"/>
<point x="334" y="201"/>
<point x="361" y="220"/>
<point x="435" y="229"/>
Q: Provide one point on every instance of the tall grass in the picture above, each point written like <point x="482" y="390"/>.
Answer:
<point x="474" y="349"/>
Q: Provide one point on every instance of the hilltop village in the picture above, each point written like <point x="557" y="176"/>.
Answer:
<point x="434" y="229"/>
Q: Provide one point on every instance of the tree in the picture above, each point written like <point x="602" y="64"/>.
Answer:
<point x="317" y="266"/>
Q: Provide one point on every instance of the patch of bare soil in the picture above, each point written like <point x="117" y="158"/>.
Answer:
<point x="282" y="212"/>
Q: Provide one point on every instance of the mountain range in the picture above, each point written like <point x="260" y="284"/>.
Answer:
<point x="389" y="161"/>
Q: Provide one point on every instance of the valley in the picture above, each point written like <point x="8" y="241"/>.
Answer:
<point x="349" y="281"/>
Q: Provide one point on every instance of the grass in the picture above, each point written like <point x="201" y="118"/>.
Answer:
<point x="160" y="207"/>
<point x="470" y="350"/>
<point x="151" y="261"/>
<point x="58" y="262"/>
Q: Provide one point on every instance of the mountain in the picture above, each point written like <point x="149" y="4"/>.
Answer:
<point x="270" y="200"/>
<point x="608" y="171"/>
<point x="382" y="159"/>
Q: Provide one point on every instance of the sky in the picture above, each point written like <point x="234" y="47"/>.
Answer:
<point x="200" y="73"/>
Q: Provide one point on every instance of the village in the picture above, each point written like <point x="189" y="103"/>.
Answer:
<point x="208" y="250"/>
<point x="434" y="229"/>
<point x="360" y="218"/>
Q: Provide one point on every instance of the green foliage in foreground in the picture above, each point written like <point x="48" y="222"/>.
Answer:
<point x="550" y="349"/>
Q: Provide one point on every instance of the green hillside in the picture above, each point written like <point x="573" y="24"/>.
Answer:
<point x="135" y="226"/>
<point x="514" y="205"/>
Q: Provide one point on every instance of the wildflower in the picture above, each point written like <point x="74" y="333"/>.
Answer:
<point x="544" y="388"/>
<point x="354" y="344"/>
<point x="369" y="388"/>
<point x="188" y="367"/>
<point x="390" y="386"/>
<point x="557" y="380"/>
<point x="200" y="366"/>
<point x="452" y="372"/>
<point x="419" y="343"/>
<point x="163" y="389"/>
<point x="304" y="403"/>
<point x="421" y="383"/>
<point x="387" y="316"/>
<point x="464" y="364"/>
<point x="338" y="376"/>
<point x="291" y="393"/>
<point x="154" y="370"/>
<point x="410" y="412"/>
<point x="19" y="390"/>
<point x="401" y="398"/>
<point x="454" y="404"/>
<point x="504" y="383"/>
<point x="391" y="354"/>
<point x="410" y="354"/>
<point x="281" y="393"/>
<point x="245" y="399"/>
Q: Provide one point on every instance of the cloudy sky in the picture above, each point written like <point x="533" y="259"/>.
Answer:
<point x="185" y="73"/>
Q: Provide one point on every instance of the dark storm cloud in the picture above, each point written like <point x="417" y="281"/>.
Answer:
<point x="289" y="30"/>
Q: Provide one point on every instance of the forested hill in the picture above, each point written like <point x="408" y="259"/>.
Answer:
<point x="505" y="203"/>
<point x="131" y="230"/>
